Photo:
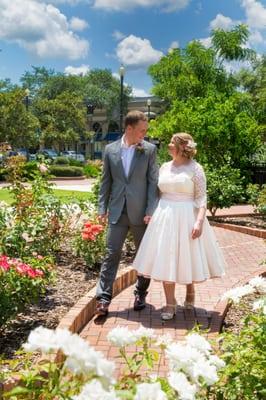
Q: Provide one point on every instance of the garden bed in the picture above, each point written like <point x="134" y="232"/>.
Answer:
<point x="251" y="221"/>
<point x="73" y="280"/>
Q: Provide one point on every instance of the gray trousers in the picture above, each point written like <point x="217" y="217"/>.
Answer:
<point x="116" y="236"/>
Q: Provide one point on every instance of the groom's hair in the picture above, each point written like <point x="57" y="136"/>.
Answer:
<point x="133" y="117"/>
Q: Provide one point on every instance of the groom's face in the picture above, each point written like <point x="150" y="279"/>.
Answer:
<point x="138" y="131"/>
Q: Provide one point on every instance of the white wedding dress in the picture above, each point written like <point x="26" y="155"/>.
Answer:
<point x="167" y="251"/>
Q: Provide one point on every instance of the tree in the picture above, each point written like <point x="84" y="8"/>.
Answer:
<point x="224" y="127"/>
<point x="189" y="72"/>
<point x="62" y="120"/>
<point x="17" y="125"/>
<point x="230" y="45"/>
<point x="203" y="99"/>
<point x="253" y="81"/>
<point x="35" y="80"/>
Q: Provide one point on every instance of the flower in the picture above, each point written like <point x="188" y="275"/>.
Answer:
<point x="121" y="336"/>
<point x="235" y="294"/>
<point x="150" y="391"/>
<point x="164" y="340"/>
<point x="95" y="391"/>
<point x="216" y="361"/>
<point x="181" y="385"/>
<point x="41" y="339"/>
<point x="260" y="305"/>
<point x="198" y="342"/>
<point x="90" y="231"/>
<point x="43" y="168"/>
<point x="202" y="368"/>
<point x="139" y="148"/>
<point x="182" y="356"/>
<point x="191" y="144"/>
<point x="258" y="283"/>
<point x="142" y="333"/>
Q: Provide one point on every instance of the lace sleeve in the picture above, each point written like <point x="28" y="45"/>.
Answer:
<point x="199" y="179"/>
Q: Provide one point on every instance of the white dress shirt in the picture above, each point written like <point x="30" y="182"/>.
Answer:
<point x="127" y="153"/>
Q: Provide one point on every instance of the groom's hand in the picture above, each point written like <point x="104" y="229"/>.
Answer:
<point x="147" y="219"/>
<point x="102" y="218"/>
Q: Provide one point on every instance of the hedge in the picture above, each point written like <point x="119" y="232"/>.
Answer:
<point x="59" y="170"/>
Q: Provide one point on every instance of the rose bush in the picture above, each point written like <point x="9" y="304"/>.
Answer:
<point x="89" y="242"/>
<point x="86" y="374"/>
<point x="21" y="283"/>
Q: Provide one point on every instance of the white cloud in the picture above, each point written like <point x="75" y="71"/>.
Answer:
<point x="117" y="35"/>
<point x="136" y="52"/>
<point x="125" y="5"/>
<point x="82" y="70"/>
<point x="256" y="38"/>
<point x="139" y="92"/>
<point x="222" y="22"/>
<point x="256" y="13"/>
<point x="235" y="66"/>
<point x="174" y="45"/>
<point x="78" y="24"/>
<point x="70" y="2"/>
<point x="206" y="42"/>
<point x="41" y="29"/>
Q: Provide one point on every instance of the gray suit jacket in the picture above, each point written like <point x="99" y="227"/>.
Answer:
<point x="139" y="189"/>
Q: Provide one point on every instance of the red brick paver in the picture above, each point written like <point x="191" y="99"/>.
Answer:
<point x="243" y="254"/>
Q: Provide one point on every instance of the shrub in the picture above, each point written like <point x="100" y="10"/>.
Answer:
<point x="89" y="243"/>
<point x="30" y="169"/>
<point x="76" y="163"/>
<point x="61" y="161"/>
<point x="93" y="169"/>
<point x="257" y="197"/>
<point x="87" y="374"/>
<point x="21" y="283"/>
<point x="58" y="170"/>
<point x="244" y="353"/>
<point x="35" y="220"/>
<point x="224" y="187"/>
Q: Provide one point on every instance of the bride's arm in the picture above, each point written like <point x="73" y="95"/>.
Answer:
<point x="200" y="197"/>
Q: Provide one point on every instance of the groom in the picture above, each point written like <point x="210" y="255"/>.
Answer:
<point x="128" y="197"/>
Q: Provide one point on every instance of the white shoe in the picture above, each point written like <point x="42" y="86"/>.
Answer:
<point x="190" y="301"/>
<point x="168" y="315"/>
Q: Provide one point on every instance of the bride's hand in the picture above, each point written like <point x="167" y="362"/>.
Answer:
<point x="197" y="229"/>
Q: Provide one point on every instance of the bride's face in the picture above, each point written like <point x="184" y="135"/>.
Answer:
<point x="172" y="149"/>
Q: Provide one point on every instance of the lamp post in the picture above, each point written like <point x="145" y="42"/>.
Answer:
<point x="90" y="110"/>
<point x="149" y="109"/>
<point x="121" y="74"/>
<point x="27" y="98"/>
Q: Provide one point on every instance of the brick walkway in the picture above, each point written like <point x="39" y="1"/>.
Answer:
<point x="243" y="253"/>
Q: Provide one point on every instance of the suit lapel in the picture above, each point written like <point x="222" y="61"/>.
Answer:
<point x="136" y="157"/>
<point x="119" y="159"/>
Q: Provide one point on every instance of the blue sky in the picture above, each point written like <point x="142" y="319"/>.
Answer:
<point x="73" y="36"/>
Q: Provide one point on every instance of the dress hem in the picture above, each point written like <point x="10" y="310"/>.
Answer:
<point x="179" y="283"/>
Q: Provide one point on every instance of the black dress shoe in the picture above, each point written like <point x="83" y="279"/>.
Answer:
<point x="140" y="302"/>
<point x="101" y="308"/>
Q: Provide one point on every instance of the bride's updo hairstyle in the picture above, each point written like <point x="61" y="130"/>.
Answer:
<point x="186" y="140"/>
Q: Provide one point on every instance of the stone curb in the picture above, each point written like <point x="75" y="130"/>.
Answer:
<point x="68" y="178"/>
<point x="261" y="233"/>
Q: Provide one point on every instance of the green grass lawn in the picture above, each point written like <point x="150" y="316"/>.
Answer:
<point x="67" y="196"/>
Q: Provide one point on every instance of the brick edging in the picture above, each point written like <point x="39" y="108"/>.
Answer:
<point x="78" y="316"/>
<point x="221" y="308"/>
<point x="261" y="233"/>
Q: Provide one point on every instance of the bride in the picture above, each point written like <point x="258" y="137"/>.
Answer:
<point x="179" y="245"/>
